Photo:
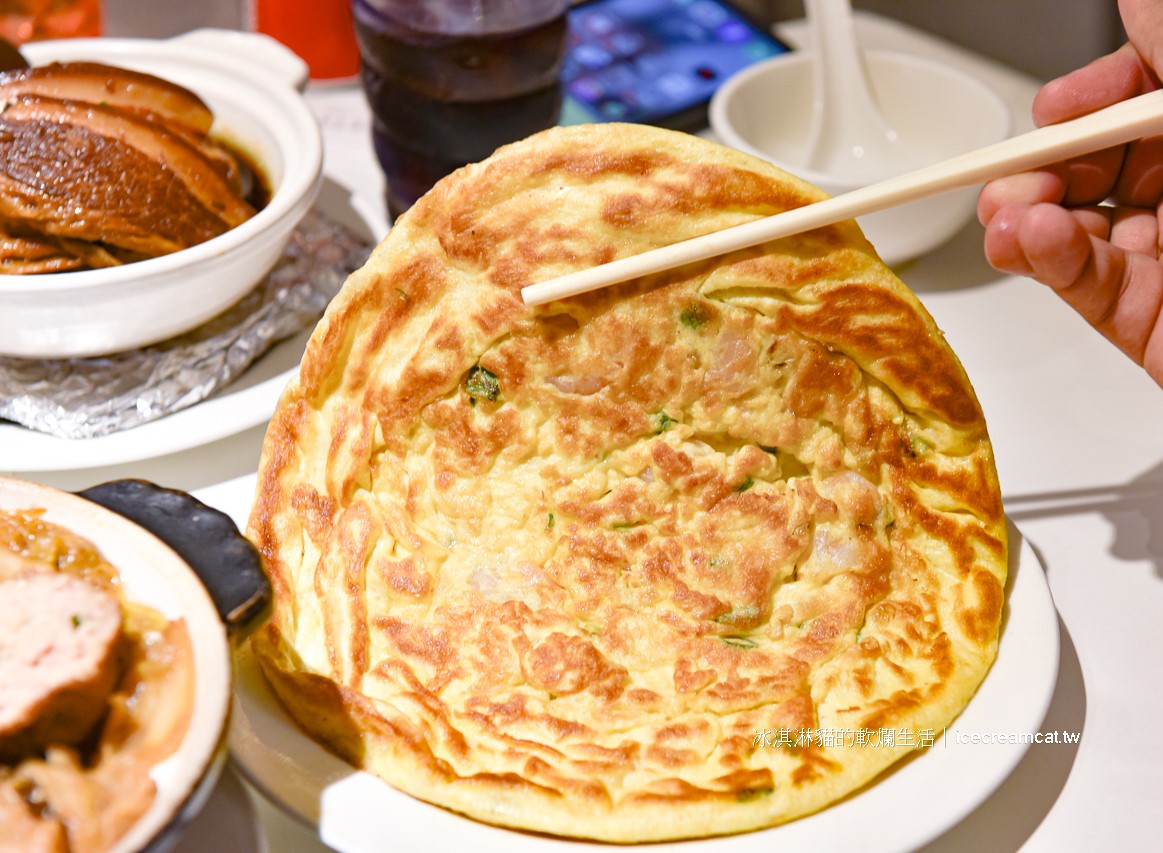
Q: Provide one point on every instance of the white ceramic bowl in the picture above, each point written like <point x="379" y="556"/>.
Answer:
<point x="215" y="585"/>
<point x="766" y="110"/>
<point x="257" y="108"/>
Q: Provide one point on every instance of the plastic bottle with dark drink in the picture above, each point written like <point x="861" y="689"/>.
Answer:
<point x="448" y="81"/>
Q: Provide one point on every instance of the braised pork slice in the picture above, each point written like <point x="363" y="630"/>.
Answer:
<point x="108" y="165"/>
<point x="82" y="172"/>
<point x="98" y="83"/>
<point x="59" y="660"/>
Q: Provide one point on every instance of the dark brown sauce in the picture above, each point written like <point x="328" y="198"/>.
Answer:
<point x="259" y="193"/>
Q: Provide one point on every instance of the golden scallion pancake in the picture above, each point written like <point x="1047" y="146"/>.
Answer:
<point x="692" y="555"/>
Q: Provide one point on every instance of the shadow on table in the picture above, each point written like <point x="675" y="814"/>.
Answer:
<point x="226" y="823"/>
<point x="959" y="264"/>
<point x="1134" y="510"/>
<point x="1011" y="815"/>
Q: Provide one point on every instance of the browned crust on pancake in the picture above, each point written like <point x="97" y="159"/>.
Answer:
<point x="754" y="494"/>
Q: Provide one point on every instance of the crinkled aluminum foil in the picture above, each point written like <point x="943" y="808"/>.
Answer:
<point x="89" y="397"/>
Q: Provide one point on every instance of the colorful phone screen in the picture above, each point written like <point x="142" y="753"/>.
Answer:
<point x="655" y="61"/>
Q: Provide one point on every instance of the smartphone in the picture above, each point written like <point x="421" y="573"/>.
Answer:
<point x="655" y="61"/>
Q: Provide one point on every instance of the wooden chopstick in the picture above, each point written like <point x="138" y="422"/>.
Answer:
<point x="1123" y="122"/>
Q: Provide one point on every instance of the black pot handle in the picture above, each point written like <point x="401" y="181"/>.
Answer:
<point x="228" y="565"/>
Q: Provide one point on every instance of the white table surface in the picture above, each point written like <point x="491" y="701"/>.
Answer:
<point x="1078" y="432"/>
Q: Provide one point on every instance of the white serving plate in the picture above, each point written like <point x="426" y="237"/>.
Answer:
<point x="248" y="401"/>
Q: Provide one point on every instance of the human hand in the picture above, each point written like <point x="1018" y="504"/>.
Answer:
<point x="1090" y="228"/>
